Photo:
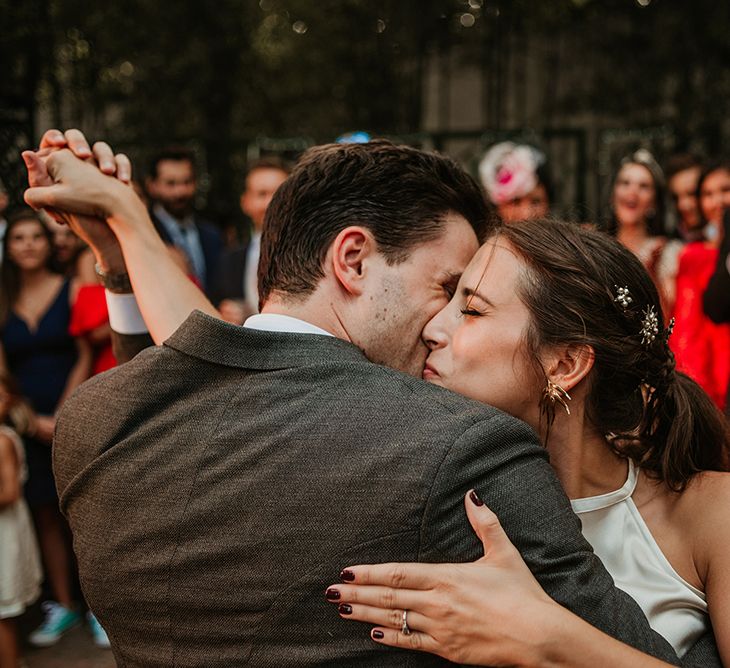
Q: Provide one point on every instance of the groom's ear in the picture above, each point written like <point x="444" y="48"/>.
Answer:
<point x="351" y="253"/>
<point x="570" y="364"/>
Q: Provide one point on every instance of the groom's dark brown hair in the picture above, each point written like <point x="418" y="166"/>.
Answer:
<point x="401" y="194"/>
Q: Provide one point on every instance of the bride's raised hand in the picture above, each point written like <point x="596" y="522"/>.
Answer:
<point x="480" y="613"/>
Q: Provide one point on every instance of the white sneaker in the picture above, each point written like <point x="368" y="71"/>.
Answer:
<point x="58" y="621"/>
<point x="101" y="639"/>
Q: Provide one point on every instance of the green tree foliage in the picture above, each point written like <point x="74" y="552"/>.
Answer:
<point x="145" y="73"/>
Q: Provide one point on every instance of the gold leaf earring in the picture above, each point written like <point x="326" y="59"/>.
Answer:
<point x="551" y="395"/>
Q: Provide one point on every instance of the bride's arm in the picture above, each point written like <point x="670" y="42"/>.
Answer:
<point x="107" y="213"/>
<point x="490" y="612"/>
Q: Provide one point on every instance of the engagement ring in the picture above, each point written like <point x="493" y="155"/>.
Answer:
<point x="404" y="629"/>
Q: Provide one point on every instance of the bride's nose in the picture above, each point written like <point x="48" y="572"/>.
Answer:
<point x="434" y="333"/>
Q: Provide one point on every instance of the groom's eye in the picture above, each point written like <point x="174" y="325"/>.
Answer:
<point x="449" y="287"/>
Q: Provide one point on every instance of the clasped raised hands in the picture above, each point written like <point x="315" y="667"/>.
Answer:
<point x="66" y="175"/>
<point x="81" y="187"/>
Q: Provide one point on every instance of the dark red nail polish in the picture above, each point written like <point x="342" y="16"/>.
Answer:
<point x="378" y="635"/>
<point x="332" y="595"/>
<point x="475" y="498"/>
<point x="347" y="576"/>
<point x="344" y="609"/>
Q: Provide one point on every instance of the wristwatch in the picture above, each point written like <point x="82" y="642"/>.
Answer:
<point x="118" y="283"/>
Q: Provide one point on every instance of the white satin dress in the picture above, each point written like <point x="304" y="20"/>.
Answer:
<point x="619" y="536"/>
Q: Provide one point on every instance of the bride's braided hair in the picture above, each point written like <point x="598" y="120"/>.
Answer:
<point x="650" y="412"/>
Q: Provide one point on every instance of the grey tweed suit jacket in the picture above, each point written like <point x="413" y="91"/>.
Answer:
<point x="217" y="484"/>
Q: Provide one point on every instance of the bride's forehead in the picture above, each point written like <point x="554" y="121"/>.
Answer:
<point x="495" y="255"/>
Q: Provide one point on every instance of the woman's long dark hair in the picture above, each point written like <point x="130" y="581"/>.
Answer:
<point x="9" y="272"/>
<point x="650" y="412"/>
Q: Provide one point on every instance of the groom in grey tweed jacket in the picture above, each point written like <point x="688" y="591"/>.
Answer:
<point x="216" y="484"/>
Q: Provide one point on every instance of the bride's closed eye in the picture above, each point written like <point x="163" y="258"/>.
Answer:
<point x="470" y="312"/>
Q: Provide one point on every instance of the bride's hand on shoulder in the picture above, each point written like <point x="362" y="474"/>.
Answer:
<point x="479" y="613"/>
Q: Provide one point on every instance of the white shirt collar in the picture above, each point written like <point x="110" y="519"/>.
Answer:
<point x="275" y="322"/>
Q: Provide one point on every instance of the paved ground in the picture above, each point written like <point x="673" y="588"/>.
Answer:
<point x="75" y="650"/>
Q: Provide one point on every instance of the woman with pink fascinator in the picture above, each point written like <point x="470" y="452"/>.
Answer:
<point x="516" y="180"/>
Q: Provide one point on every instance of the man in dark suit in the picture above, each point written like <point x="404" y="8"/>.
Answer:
<point x="214" y="484"/>
<point x="235" y="290"/>
<point x="171" y="185"/>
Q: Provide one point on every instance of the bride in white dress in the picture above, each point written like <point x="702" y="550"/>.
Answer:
<point x="563" y="328"/>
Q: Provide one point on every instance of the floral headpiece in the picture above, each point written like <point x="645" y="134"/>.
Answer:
<point x="649" y="320"/>
<point x="509" y="170"/>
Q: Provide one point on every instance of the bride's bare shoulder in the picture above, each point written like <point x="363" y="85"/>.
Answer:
<point x="706" y="496"/>
<point x="703" y="508"/>
<point x="706" y="484"/>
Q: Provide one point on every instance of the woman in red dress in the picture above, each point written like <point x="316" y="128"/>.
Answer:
<point x="90" y="320"/>
<point x="701" y="346"/>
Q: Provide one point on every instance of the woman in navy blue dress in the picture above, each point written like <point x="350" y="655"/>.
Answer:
<point x="35" y="307"/>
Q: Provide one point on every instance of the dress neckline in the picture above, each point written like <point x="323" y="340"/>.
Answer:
<point x="589" y="503"/>
<point x="33" y="331"/>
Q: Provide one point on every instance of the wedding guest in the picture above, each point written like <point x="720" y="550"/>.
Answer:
<point x="562" y="328"/>
<point x="4" y="202"/>
<point x="235" y="288"/>
<point x="683" y="172"/>
<point x="172" y="185"/>
<point x="35" y="306"/>
<point x="638" y="220"/>
<point x="516" y="180"/>
<point x="71" y="256"/>
<point x="90" y="320"/>
<point x="89" y="316"/>
<point x="701" y="345"/>
<point x="716" y="299"/>
<point x="713" y="193"/>
<point x="20" y="564"/>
